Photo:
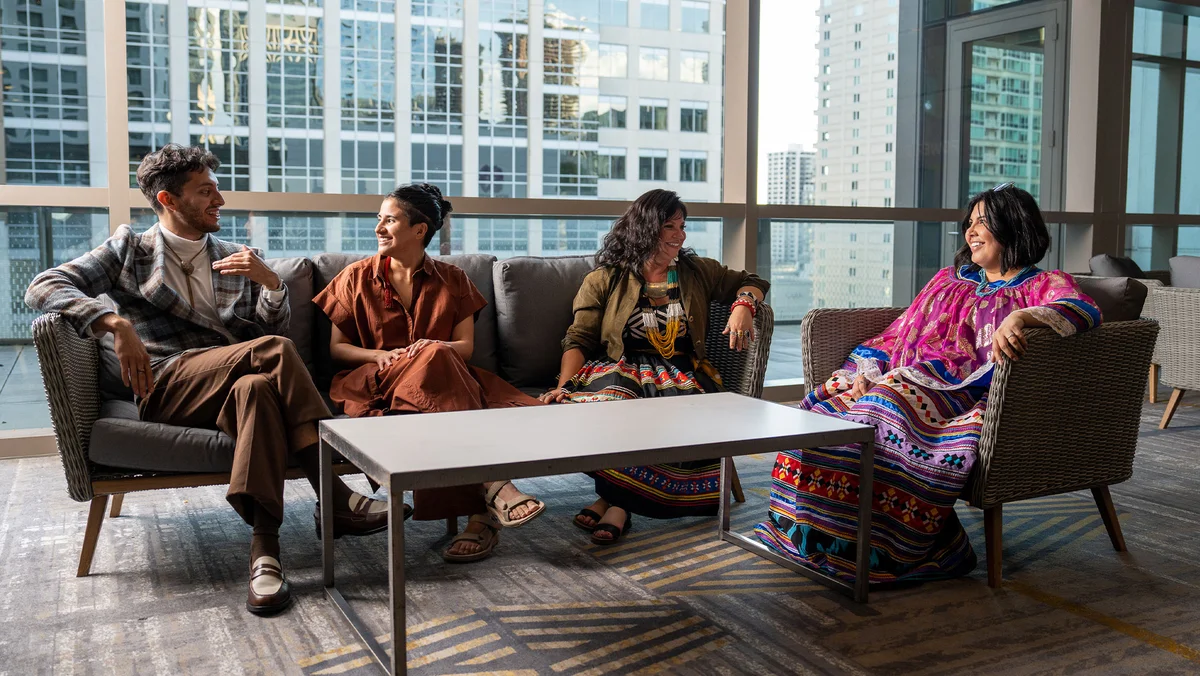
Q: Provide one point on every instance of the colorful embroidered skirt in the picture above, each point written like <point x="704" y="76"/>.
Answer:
<point x="925" y="444"/>
<point x="661" y="491"/>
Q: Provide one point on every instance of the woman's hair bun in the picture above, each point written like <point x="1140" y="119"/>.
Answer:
<point x="435" y="192"/>
<point x="424" y="203"/>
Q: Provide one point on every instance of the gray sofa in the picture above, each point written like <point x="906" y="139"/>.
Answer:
<point x="108" y="451"/>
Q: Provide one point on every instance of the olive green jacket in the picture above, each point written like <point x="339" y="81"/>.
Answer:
<point x="603" y="306"/>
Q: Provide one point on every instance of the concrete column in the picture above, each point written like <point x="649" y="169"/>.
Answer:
<point x="403" y="93"/>
<point x="257" y="19"/>
<point x="331" y="39"/>
<point x="471" y="99"/>
<point x="97" y="97"/>
<point x="178" y="80"/>
<point x="537" y="70"/>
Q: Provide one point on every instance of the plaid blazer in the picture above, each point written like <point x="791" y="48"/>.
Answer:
<point x="129" y="268"/>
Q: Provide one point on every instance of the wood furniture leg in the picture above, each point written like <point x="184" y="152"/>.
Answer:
<point x="115" y="510"/>
<point x="1153" y="383"/>
<point x="92" y="534"/>
<point x="736" y="484"/>
<point x="1172" y="405"/>
<point x="1109" y="514"/>
<point x="993" y="525"/>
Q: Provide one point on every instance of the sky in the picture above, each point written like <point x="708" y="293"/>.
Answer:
<point x="787" y="79"/>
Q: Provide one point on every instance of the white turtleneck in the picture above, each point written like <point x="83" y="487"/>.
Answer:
<point x="195" y="253"/>
<point x="202" y="294"/>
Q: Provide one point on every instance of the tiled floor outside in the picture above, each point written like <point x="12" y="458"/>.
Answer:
<point x="23" y="400"/>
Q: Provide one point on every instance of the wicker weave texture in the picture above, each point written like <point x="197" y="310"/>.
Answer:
<point x="1178" y="353"/>
<point x="828" y="335"/>
<point x="741" y="372"/>
<point x="70" y="373"/>
<point x="1063" y="417"/>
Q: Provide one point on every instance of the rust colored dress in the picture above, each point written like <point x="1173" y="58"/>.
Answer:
<point x="360" y="301"/>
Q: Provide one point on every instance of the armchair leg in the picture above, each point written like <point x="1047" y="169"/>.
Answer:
<point x="736" y="484"/>
<point x="92" y="534"/>
<point x="1109" y="514"/>
<point x="993" y="525"/>
<point x="1154" y="383"/>
<point x="115" y="510"/>
<point x="1172" y="405"/>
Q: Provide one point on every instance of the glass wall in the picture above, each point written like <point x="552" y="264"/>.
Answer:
<point x="828" y="137"/>
<point x="282" y="234"/>
<point x="53" y="112"/>
<point x="458" y="115"/>
<point x="1164" y="130"/>
<point x="817" y="265"/>
<point x="31" y="240"/>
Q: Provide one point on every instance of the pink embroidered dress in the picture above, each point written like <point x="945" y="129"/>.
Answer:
<point x="929" y="375"/>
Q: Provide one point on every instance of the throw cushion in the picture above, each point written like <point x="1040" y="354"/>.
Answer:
<point x="1185" y="271"/>
<point x="1120" y="299"/>
<point x="533" y="311"/>
<point x="297" y="273"/>
<point x="1105" y="265"/>
<point x="479" y="270"/>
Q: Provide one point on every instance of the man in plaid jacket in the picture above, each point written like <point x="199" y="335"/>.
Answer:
<point x="196" y="331"/>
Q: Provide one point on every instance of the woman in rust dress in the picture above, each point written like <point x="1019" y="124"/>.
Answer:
<point x="403" y="328"/>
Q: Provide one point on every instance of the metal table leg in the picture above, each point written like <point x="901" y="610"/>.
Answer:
<point x="325" y="457"/>
<point x="396" y="577"/>
<point x="866" y="496"/>
<point x="858" y="590"/>
<point x="397" y="663"/>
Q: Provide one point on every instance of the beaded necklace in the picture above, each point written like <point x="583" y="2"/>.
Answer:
<point x="982" y="289"/>
<point x="663" y="341"/>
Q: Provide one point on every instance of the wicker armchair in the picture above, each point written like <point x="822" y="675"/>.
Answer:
<point x="70" y="372"/>
<point x="1063" y="418"/>
<point x="741" y="372"/>
<point x="1177" y="354"/>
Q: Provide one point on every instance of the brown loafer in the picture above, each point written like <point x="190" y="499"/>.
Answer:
<point x="358" y="521"/>
<point x="269" y="591"/>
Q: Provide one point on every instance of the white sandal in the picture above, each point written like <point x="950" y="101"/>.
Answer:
<point x="500" y="508"/>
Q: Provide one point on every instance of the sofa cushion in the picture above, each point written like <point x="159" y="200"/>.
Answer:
<point x="479" y="270"/>
<point x="1185" y="271"/>
<point x="1120" y="299"/>
<point x="121" y="439"/>
<point x="533" y="311"/>
<point x="297" y="273"/>
<point x="1104" y="265"/>
<point x="478" y="267"/>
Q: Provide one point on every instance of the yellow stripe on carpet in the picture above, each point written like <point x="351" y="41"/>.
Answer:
<point x="1145" y="636"/>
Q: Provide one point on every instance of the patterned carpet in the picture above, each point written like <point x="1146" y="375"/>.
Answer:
<point x="168" y="585"/>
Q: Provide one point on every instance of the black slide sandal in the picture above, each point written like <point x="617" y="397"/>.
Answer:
<point x="612" y="530"/>
<point x="588" y="513"/>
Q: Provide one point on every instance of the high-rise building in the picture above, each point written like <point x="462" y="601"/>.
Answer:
<point x="497" y="98"/>
<point x="857" y="46"/>
<point x="856" y="102"/>
<point x="790" y="175"/>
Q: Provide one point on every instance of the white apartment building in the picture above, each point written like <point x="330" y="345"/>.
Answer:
<point x="790" y="176"/>
<point x="851" y="264"/>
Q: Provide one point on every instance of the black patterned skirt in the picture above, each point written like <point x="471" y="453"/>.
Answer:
<point x="663" y="491"/>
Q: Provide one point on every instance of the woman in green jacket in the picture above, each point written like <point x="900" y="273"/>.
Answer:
<point x="638" y="332"/>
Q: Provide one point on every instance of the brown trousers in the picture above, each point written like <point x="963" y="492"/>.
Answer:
<point x="257" y="392"/>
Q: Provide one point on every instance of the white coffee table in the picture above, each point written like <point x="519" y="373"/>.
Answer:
<point x="435" y="450"/>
